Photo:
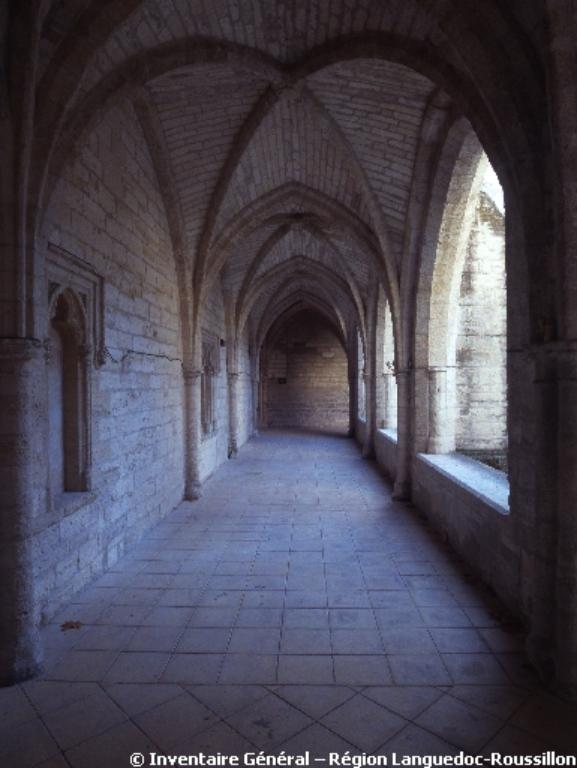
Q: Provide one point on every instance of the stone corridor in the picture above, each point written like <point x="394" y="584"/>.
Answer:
<point x="294" y="606"/>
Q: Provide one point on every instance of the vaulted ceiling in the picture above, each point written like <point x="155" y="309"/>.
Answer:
<point x="289" y="132"/>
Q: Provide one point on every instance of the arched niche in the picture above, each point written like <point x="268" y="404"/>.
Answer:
<point x="68" y="376"/>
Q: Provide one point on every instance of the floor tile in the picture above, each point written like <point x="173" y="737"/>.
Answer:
<point x="193" y="668"/>
<point x="514" y="741"/>
<point x="305" y="669"/>
<point x="82" y="666"/>
<point x="46" y="696"/>
<point x="269" y="722"/>
<point x="225" y="700"/>
<point x="474" y="669"/>
<point x="104" y="638"/>
<point x="306" y="618"/>
<point x="25" y="744"/>
<point x="203" y="640"/>
<point x="15" y="706"/>
<point x="137" y="667"/>
<point x="135" y="698"/>
<point x="305" y="641"/>
<point x="315" y="700"/>
<point x="158" y="639"/>
<point x="460" y="724"/>
<point x="418" y="669"/>
<point x="167" y="723"/>
<point x="259" y="617"/>
<point x="255" y="639"/>
<point x="362" y="670"/>
<point x="414" y="740"/>
<point x="318" y="741"/>
<point x="458" y="640"/>
<point x="407" y="701"/>
<point x="363" y="723"/>
<point x="407" y="640"/>
<point x="83" y="719"/>
<point x="248" y="668"/>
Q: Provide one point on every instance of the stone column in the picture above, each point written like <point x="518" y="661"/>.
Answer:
<point x="441" y="431"/>
<point x="353" y="391"/>
<point x="233" y="425"/>
<point x="192" y="417"/>
<point x="23" y="497"/>
<point x="380" y="402"/>
<point x="402" y="487"/>
<point x="368" y="440"/>
<point x="566" y="552"/>
<point x="548" y="532"/>
<point x="390" y="401"/>
<point x="255" y="383"/>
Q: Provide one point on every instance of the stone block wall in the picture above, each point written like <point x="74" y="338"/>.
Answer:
<point x="107" y="212"/>
<point x="468" y="519"/>
<point x="306" y="378"/>
<point x="386" y="452"/>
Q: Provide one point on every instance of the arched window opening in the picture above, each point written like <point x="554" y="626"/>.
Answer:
<point x="481" y="332"/>
<point x="361" y="390"/>
<point x="68" y="392"/>
<point x="467" y="379"/>
<point x="209" y="372"/>
<point x="389" y="380"/>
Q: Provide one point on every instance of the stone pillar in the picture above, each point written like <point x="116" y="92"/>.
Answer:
<point x="441" y="428"/>
<point x="402" y="487"/>
<point x="550" y="536"/>
<point x="566" y="551"/>
<point x="368" y="440"/>
<point x="23" y="497"/>
<point x="255" y="382"/>
<point x="390" y="401"/>
<point x="353" y="391"/>
<point x="380" y="402"/>
<point x="192" y="418"/>
<point x="233" y="425"/>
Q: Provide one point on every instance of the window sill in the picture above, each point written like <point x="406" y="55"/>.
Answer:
<point x="491" y="486"/>
<point x="71" y="501"/>
<point x="390" y="434"/>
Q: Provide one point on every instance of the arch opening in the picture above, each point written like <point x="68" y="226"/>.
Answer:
<point x="304" y="375"/>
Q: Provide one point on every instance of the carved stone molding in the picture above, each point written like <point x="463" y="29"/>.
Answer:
<point x="66" y="272"/>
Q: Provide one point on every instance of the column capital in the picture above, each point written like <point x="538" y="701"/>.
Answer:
<point x="21" y="350"/>
<point x="190" y="372"/>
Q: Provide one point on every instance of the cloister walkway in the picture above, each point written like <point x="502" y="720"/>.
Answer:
<point x="295" y="606"/>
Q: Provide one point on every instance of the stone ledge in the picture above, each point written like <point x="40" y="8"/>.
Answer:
<point x="491" y="486"/>
<point x="71" y="501"/>
<point x="389" y="434"/>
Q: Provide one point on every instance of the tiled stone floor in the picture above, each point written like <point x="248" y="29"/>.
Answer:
<point x="295" y="606"/>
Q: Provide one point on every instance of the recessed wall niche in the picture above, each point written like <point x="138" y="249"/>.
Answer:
<point x="74" y="346"/>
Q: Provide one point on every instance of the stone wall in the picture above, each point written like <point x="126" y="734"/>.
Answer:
<point x="107" y="212"/>
<point x="386" y="452"/>
<point x="468" y="503"/>
<point x="306" y="377"/>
